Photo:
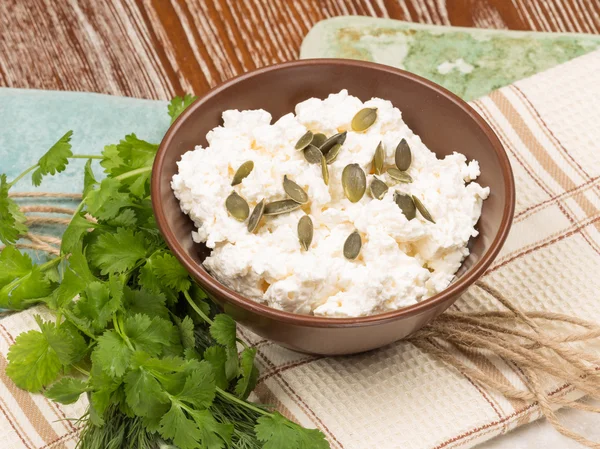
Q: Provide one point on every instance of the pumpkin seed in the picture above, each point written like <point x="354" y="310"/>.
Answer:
<point x="378" y="188"/>
<point x="294" y="191"/>
<point x="406" y="205"/>
<point x="281" y="207"/>
<point x="379" y="159"/>
<point x="256" y="215"/>
<point x="305" y="140"/>
<point x="329" y="143"/>
<point x="237" y="206"/>
<point x="352" y="246"/>
<point x="312" y="154"/>
<point x="354" y="182"/>
<point x="324" y="170"/>
<point x="422" y="209"/>
<point x="244" y="170"/>
<point x="398" y="175"/>
<point x="319" y="139"/>
<point x="333" y="152"/>
<point x="403" y="156"/>
<point x="305" y="232"/>
<point x="363" y="119"/>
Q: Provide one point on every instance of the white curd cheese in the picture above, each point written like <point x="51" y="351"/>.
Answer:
<point x="401" y="262"/>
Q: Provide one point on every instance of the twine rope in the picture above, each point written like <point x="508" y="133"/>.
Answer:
<point x="525" y="339"/>
<point x="544" y="345"/>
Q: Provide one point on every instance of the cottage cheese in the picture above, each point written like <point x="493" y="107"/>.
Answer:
<point x="401" y="262"/>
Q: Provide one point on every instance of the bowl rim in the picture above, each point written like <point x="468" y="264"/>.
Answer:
<point x="229" y="295"/>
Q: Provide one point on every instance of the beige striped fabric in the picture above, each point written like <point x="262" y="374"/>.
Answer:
<point x="399" y="396"/>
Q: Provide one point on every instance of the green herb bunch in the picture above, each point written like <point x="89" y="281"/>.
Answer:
<point x="159" y="365"/>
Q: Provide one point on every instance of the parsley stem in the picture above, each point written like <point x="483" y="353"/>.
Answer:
<point x="241" y="402"/>
<point x="41" y="267"/>
<point x="196" y="308"/>
<point x="85" y="156"/>
<point x="18" y="178"/>
<point x="81" y="370"/>
<point x="118" y="324"/>
<point x="50" y="263"/>
<point x="135" y="172"/>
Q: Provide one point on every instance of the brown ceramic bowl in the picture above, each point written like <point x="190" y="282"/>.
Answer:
<point x="444" y="122"/>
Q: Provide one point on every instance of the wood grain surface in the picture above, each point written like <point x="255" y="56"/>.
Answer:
<point x="159" y="48"/>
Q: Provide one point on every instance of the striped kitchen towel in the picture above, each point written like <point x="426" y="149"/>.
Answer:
<point x="399" y="396"/>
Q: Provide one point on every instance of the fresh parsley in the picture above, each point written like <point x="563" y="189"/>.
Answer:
<point x="161" y="367"/>
<point x="178" y="105"/>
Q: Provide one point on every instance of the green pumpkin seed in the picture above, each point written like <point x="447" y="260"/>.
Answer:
<point x="364" y="119"/>
<point x="379" y="159"/>
<point x="312" y="154"/>
<point x="303" y="141"/>
<point x="422" y="209"/>
<point x="378" y="188"/>
<point x="237" y="206"/>
<point x="354" y="182"/>
<point x="244" y="170"/>
<point x="398" y="175"/>
<point x="294" y="191"/>
<point x="305" y="232"/>
<point x="352" y="246"/>
<point x="319" y="139"/>
<point x="333" y="140"/>
<point x="281" y="207"/>
<point x="255" y="216"/>
<point x="403" y="156"/>
<point x="406" y="205"/>
<point x="324" y="170"/>
<point x="333" y="153"/>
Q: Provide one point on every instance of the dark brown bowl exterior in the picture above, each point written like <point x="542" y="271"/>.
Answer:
<point x="445" y="124"/>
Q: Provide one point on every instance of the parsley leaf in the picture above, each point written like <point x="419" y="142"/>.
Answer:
<point x="186" y="332"/>
<point x="144" y="301"/>
<point x="171" y="273"/>
<point x="143" y="391"/>
<point x="249" y="373"/>
<point x="110" y="159"/>
<point x="223" y="330"/>
<point x="214" y="434"/>
<point x="217" y="357"/>
<point x="176" y="426"/>
<point x="76" y="229"/>
<point x="24" y="288"/>
<point x="119" y="251"/>
<point x="178" y="105"/>
<point x="13" y="264"/>
<point x="55" y="160"/>
<point x="125" y="218"/>
<point x="89" y="180"/>
<point x="36" y="357"/>
<point x="112" y="354"/>
<point x="151" y="335"/>
<point x="70" y="287"/>
<point x="311" y="438"/>
<point x="199" y="388"/>
<point x="79" y="264"/>
<point x="106" y="201"/>
<point x="67" y="390"/>
<point x="12" y="220"/>
<point x="97" y="305"/>
<point x="134" y="153"/>
<point x="277" y="432"/>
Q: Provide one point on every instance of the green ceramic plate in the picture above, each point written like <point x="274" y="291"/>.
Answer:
<point x="470" y="62"/>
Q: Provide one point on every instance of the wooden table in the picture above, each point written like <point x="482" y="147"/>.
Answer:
<point x="159" y="48"/>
